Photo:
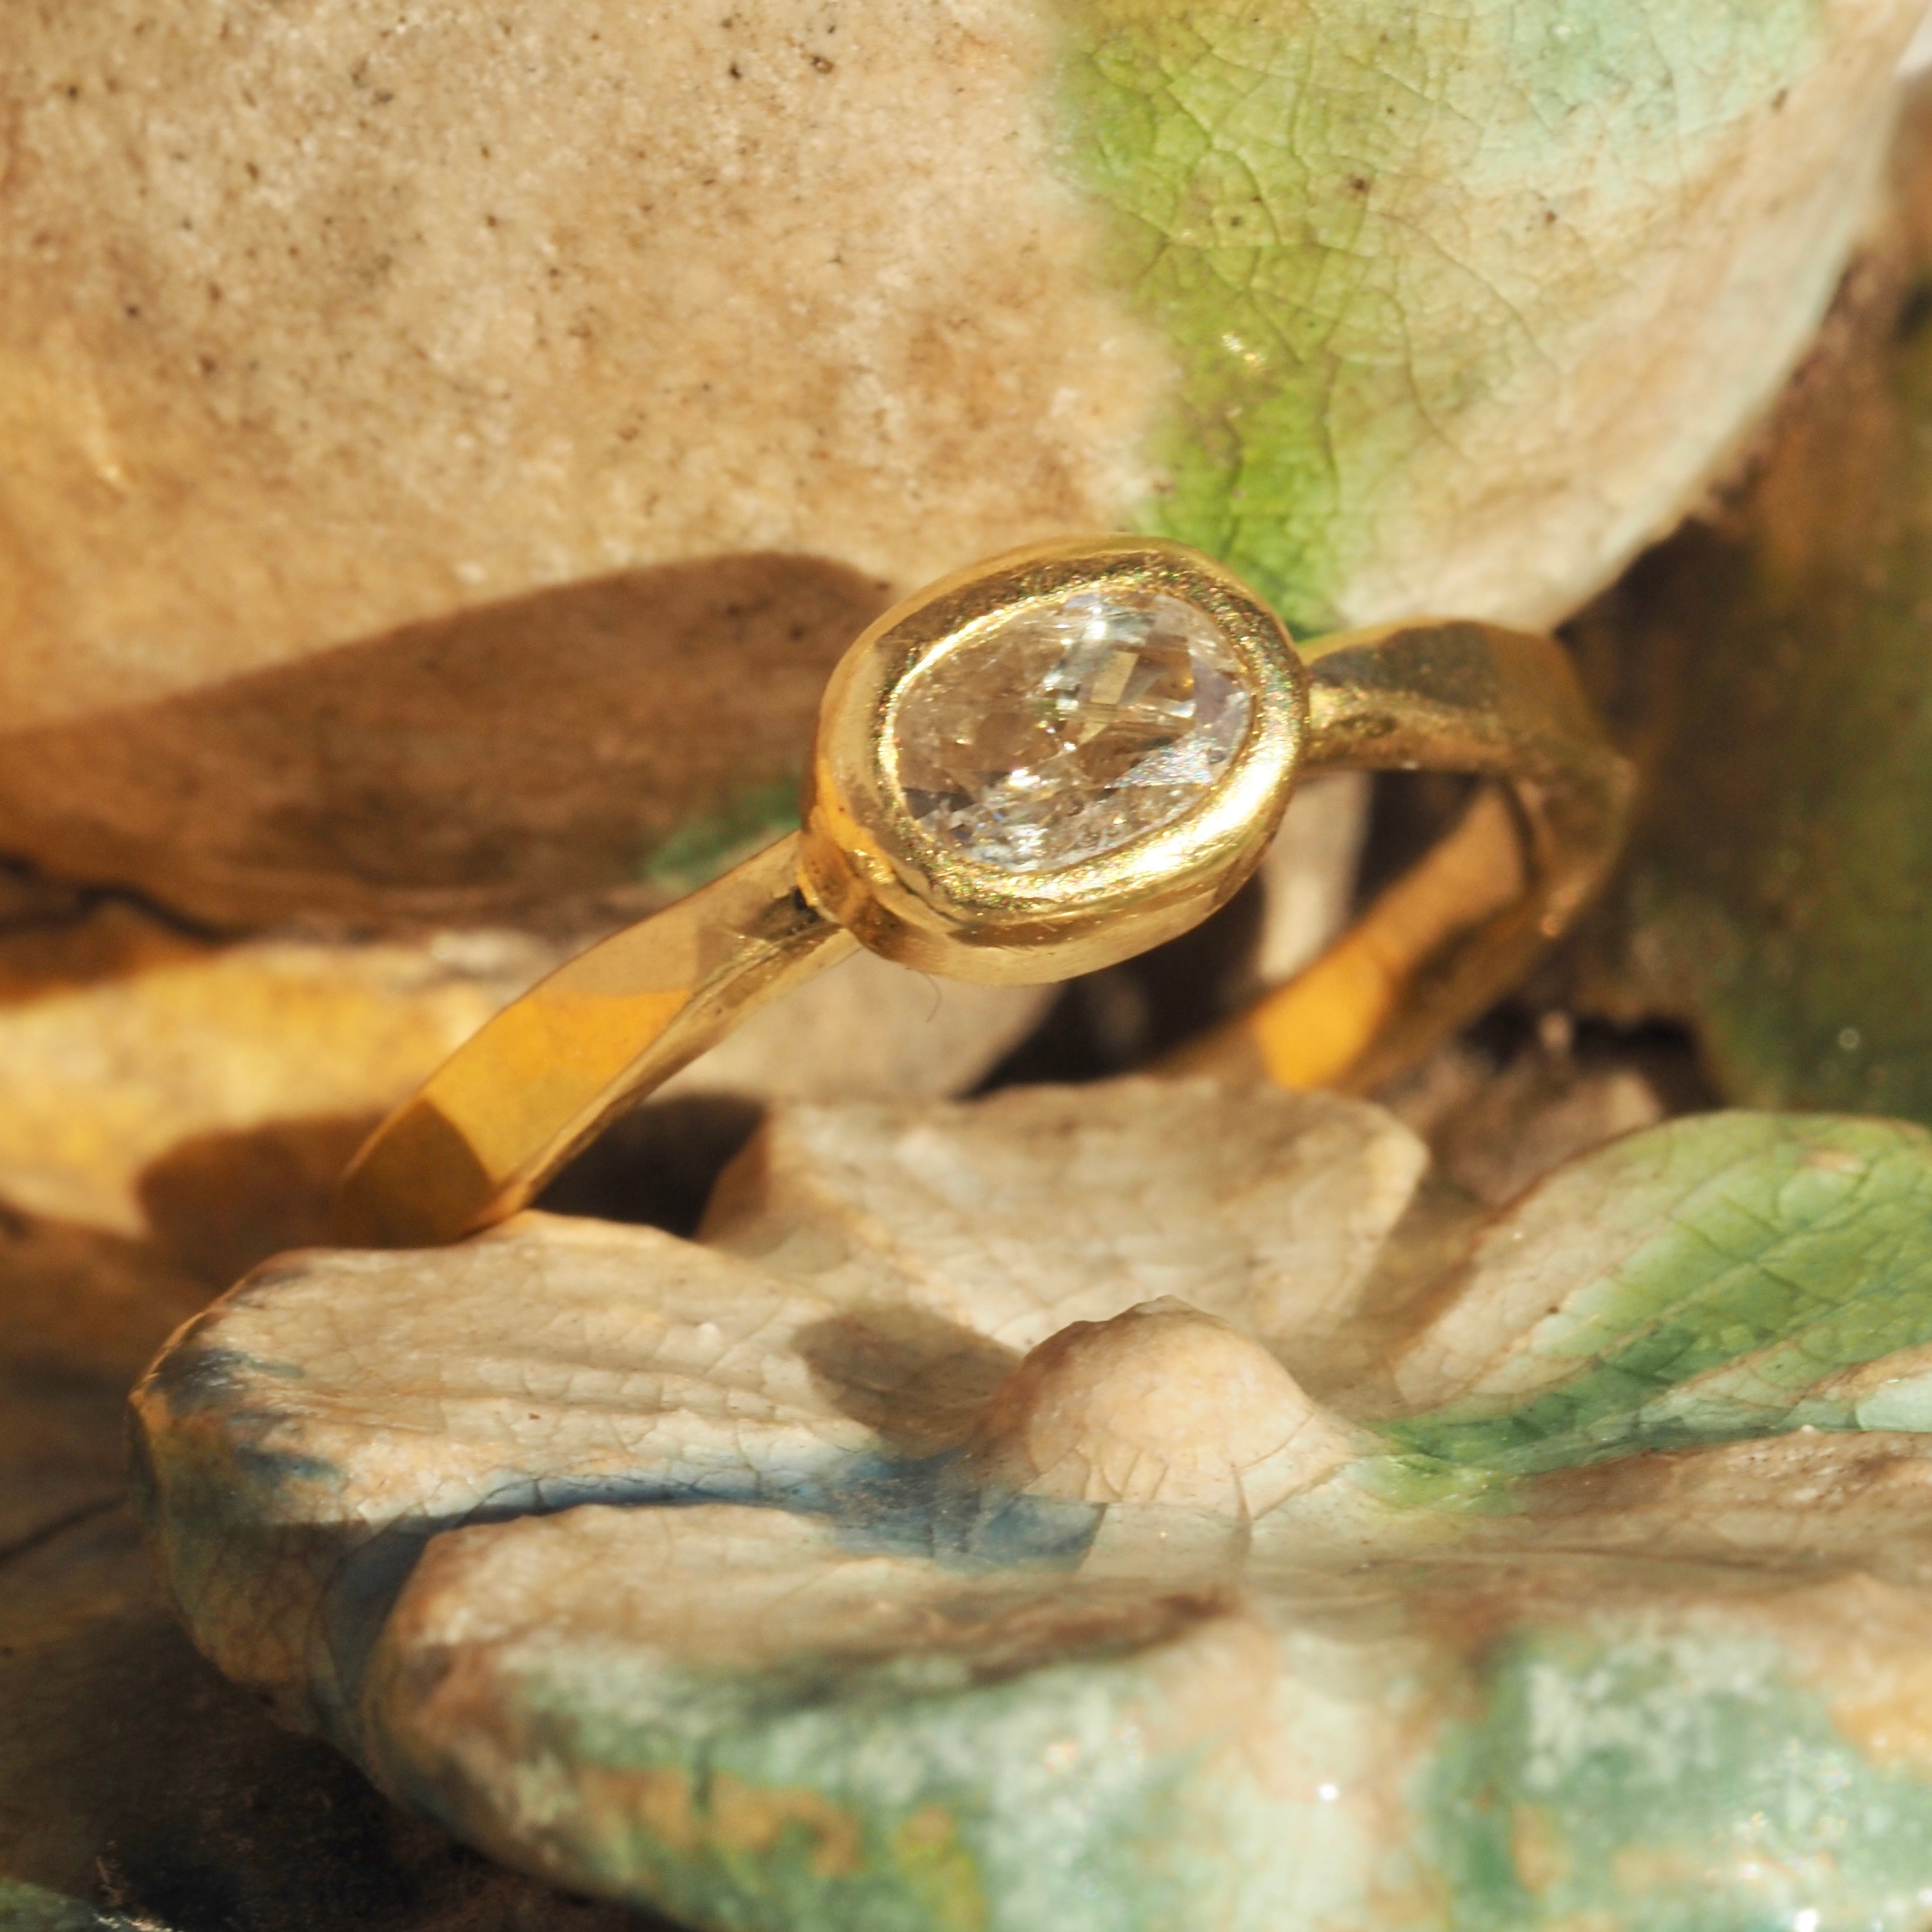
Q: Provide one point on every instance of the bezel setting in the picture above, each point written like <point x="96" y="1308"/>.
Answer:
<point x="866" y="862"/>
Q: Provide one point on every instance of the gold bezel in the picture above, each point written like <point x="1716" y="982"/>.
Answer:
<point x="867" y="863"/>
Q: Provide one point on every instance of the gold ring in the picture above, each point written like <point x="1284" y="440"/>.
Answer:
<point x="1032" y="768"/>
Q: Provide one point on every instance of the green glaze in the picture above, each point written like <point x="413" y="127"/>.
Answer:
<point x="1629" y="1772"/>
<point x="1352" y="224"/>
<point x="712" y="842"/>
<point x="828" y="1802"/>
<point x="1779" y="674"/>
<point x="1768" y="1253"/>
<point x="31" y="1908"/>
<point x="1117" y="1787"/>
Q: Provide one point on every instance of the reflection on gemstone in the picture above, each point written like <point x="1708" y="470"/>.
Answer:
<point x="1069" y="727"/>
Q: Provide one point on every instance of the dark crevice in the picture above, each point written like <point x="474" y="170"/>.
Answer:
<point x="49" y="1532"/>
<point x="32" y="900"/>
<point x="1915" y="311"/>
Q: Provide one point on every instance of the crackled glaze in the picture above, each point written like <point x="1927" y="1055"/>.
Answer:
<point x="1107" y="1508"/>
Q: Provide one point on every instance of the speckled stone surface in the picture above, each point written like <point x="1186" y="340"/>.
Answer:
<point x="414" y="419"/>
<point x="1140" y="1506"/>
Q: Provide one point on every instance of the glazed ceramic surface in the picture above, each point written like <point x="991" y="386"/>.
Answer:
<point x="1142" y="1508"/>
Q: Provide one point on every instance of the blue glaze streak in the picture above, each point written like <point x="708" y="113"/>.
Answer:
<point x="928" y="1507"/>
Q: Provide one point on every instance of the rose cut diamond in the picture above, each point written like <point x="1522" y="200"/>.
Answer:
<point x="1069" y="727"/>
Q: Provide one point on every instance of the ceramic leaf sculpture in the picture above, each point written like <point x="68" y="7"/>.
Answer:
<point x="1135" y="1507"/>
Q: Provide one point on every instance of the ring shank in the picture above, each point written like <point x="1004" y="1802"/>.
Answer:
<point x="1449" y="938"/>
<point x="514" y="1103"/>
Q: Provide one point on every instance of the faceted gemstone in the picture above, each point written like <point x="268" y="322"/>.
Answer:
<point x="1069" y="727"/>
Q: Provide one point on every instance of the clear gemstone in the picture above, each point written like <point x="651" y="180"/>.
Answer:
<point x="1069" y="727"/>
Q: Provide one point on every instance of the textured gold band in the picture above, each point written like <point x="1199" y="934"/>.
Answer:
<point x="511" y="1106"/>
<point x="1448" y="939"/>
